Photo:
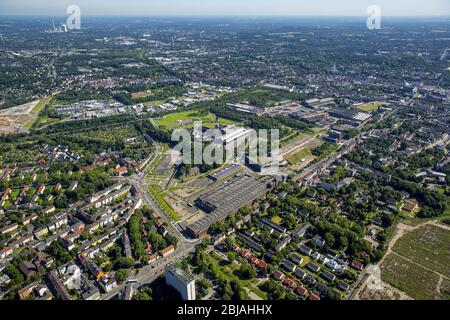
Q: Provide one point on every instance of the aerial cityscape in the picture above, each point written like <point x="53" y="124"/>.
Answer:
<point x="314" y="162"/>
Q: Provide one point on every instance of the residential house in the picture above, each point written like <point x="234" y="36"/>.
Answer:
<point x="328" y="276"/>
<point x="312" y="267"/>
<point x="283" y="243"/>
<point x="411" y="206"/>
<point x="357" y="265"/>
<point x="295" y="258"/>
<point x="317" y="241"/>
<point x="302" y="291"/>
<point x="314" y="297"/>
<point x="305" y="250"/>
<point x="300" y="273"/>
<point x="289" y="266"/>
<point x="343" y="286"/>
<point x="278" y="275"/>
<point x="9" y="228"/>
<point x="289" y="283"/>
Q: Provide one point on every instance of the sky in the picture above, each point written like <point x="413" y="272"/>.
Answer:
<point x="226" y="7"/>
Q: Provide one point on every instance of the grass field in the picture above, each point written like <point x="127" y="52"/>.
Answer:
<point x="158" y="194"/>
<point x="186" y="119"/>
<point x="414" y="280"/>
<point x="299" y="156"/>
<point x="277" y="220"/>
<point x="36" y="110"/>
<point x="428" y="246"/>
<point x="370" y="106"/>
<point x="154" y="103"/>
<point x="420" y="263"/>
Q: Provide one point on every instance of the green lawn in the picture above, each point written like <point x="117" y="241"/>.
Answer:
<point x="158" y="194"/>
<point x="370" y="106"/>
<point x="41" y="105"/>
<point x="306" y="260"/>
<point x="186" y="119"/>
<point x="14" y="194"/>
<point x="277" y="220"/>
<point x="298" y="156"/>
<point x="154" y="103"/>
<point x="36" y="110"/>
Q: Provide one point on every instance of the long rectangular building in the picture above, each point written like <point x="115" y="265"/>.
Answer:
<point x="230" y="197"/>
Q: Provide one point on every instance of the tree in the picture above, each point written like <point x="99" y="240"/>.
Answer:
<point x="15" y="275"/>
<point x="231" y="256"/>
<point x="227" y="291"/>
<point x="333" y="294"/>
<point x="124" y="262"/>
<point x="290" y="296"/>
<point x="145" y="294"/>
<point x="59" y="253"/>
<point x="329" y="238"/>
<point x="247" y="271"/>
<point x="121" y="275"/>
<point x="204" y="283"/>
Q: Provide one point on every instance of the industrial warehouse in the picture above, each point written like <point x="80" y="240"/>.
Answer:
<point x="230" y="197"/>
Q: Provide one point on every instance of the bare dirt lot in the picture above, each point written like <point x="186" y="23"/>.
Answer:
<point x="387" y="292"/>
<point x="15" y="119"/>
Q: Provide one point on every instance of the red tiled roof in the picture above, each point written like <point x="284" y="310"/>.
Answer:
<point x="278" y="274"/>
<point x="302" y="291"/>
<point x="288" y="282"/>
<point x="314" y="296"/>
<point x="167" y="249"/>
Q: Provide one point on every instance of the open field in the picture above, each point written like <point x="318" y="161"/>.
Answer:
<point x="141" y="94"/>
<point x="416" y="264"/>
<point x="370" y="106"/>
<point x="413" y="279"/>
<point x="299" y="156"/>
<point x="183" y="192"/>
<point x="187" y="118"/>
<point x="22" y="117"/>
<point x="301" y="142"/>
<point x="418" y="259"/>
<point x="428" y="246"/>
<point x="154" y="103"/>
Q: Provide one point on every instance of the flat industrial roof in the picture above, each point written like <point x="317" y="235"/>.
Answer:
<point x="228" y="198"/>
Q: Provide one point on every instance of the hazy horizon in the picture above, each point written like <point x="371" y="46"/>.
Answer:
<point x="213" y="8"/>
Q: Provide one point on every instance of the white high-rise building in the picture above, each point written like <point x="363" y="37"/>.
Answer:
<point x="183" y="282"/>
